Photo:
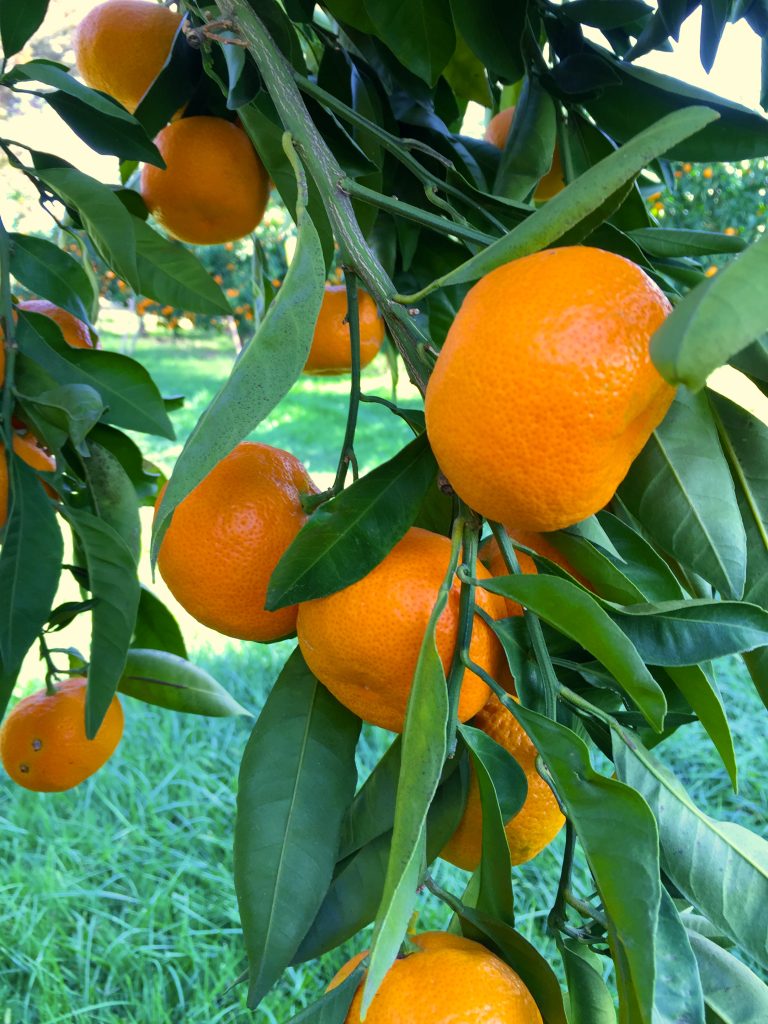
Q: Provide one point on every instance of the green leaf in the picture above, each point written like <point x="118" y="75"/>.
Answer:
<point x="698" y="687"/>
<point x="466" y="75"/>
<point x="493" y="31"/>
<point x="420" y="33"/>
<point x="174" y="84"/>
<point x="105" y="133"/>
<point x="732" y="992"/>
<point x="600" y="188"/>
<point x="721" y="868"/>
<point x="423" y="754"/>
<point x="297" y="779"/>
<point x="156" y="628"/>
<point x="113" y="496"/>
<point x="640" y="560"/>
<point x="678" y="996"/>
<point x="30" y="566"/>
<point x="349" y="535"/>
<point x="168" y="681"/>
<point x="606" y="13"/>
<point x="577" y="614"/>
<point x="604" y="571"/>
<point x="126" y="389"/>
<point x="333" y="1006"/>
<point x="615" y="853"/>
<point x="666" y="243"/>
<point x="104" y="217"/>
<point x="717" y="319"/>
<point x="263" y="374"/>
<point x="527" y="155"/>
<point x="115" y="588"/>
<point x="589" y="998"/>
<point x="145" y="477"/>
<point x="48" y="271"/>
<point x="372" y="811"/>
<point x="72" y="409"/>
<point x="18" y="22"/>
<point x="173" y="276"/>
<point x="680" y="490"/>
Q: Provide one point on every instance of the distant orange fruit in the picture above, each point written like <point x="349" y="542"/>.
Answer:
<point x="687" y="168"/>
<point x="214" y="187"/>
<point x="730" y="231"/>
<point x="76" y="332"/>
<point x="28" y="448"/>
<point x="331" y="350"/>
<point x="536" y="823"/>
<point x="496" y="133"/>
<point x="363" y="642"/>
<point x="710" y="271"/>
<point x="449" y="980"/>
<point x="121" y="46"/>
<point x="227" y="536"/>
<point x="544" y="390"/>
<point x="43" y="743"/>
<point x="707" y="173"/>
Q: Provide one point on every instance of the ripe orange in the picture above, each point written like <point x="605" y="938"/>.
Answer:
<point x="76" y="332"/>
<point x="227" y="536"/>
<point x="43" y="743"/>
<point x="363" y="642"/>
<point x="491" y="557"/>
<point x="28" y="448"/>
<point x="214" y="187"/>
<point x="496" y="133"/>
<point x="544" y="391"/>
<point x="707" y="173"/>
<point x="121" y="46"/>
<point x="450" y="980"/>
<point x="536" y="823"/>
<point x="331" y="350"/>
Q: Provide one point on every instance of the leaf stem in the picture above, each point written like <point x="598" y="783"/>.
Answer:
<point x="558" y="915"/>
<point x="548" y="675"/>
<point x="347" y="456"/>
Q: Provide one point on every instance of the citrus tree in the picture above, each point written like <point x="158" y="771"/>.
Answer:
<point x="530" y="594"/>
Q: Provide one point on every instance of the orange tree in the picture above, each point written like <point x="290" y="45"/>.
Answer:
<point x="563" y="342"/>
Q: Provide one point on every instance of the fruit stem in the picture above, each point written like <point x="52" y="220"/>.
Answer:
<point x="551" y="687"/>
<point x="558" y="915"/>
<point x="347" y="456"/>
<point x="469" y="537"/>
<point x="278" y="78"/>
<point x="8" y="327"/>
<point x="50" y="669"/>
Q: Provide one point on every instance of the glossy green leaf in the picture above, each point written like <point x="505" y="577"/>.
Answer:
<point x="732" y="992"/>
<point x="115" y="589"/>
<point x="493" y="30"/>
<point x="126" y="388"/>
<point x="697" y="685"/>
<point x="263" y="374"/>
<point x="173" y="85"/>
<point x="156" y="628"/>
<point x="71" y="409"/>
<point x="113" y="496"/>
<point x="372" y="811"/>
<point x="349" y="535"/>
<point x="527" y="155"/>
<point x="606" y="13"/>
<point x="577" y="203"/>
<point x="30" y="566"/>
<point x="720" y="867"/>
<point x="594" y="805"/>
<point x="145" y="477"/>
<point x="678" y="996"/>
<point x="466" y="75"/>
<point x="577" y="614"/>
<point x="297" y="779"/>
<point x="333" y="1006"/>
<point x="103" y="215"/>
<point x="680" y="490"/>
<point x="640" y="560"/>
<point x="48" y="271"/>
<point x="168" y="681"/>
<point x="604" y="573"/>
<point x="420" y="33"/>
<point x="107" y="133"/>
<point x="589" y="998"/>
<point x="666" y="243"/>
<point x="19" y="21"/>
<point x="723" y="315"/>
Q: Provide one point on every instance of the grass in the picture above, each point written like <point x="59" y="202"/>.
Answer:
<point x="116" y="899"/>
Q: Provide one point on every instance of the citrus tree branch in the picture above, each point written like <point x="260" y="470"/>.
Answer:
<point x="328" y="175"/>
<point x="9" y="340"/>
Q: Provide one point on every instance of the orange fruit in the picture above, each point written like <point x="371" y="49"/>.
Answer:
<point x="544" y="391"/>
<point x="331" y="350"/>
<point x="363" y="642"/>
<point x="491" y="557"/>
<point x="28" y="448"/>
<point x="77" y="333"/>
<point x="43" y="744"/>
<point x="710" y="271"/>
<point x="536" y="823"/>
<point x="707" y="173"/>
<point x="214" y="187"/>
<point x="496" y="133"/>
<point x="121" y="46"/>
<point x="227" y="536"/>
<point x="450" y="980"/>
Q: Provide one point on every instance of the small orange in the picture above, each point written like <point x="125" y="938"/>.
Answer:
<point x="331" y="350"/>
<point x="227" y="536"/>
<point x="491" y="557"/>
<point x="121" y="46"/>
<point x="43" y="743"/>
<point x="363" y="642"/>
<point x="707" y="173"/>
<point x="536" y="823"/>
<point x="28" y="448"/>
<point x="710" y="271"/>
<point x="730" y="231"/>
<point x="214" y="187"/>
<point x="544" y="390"/>
<point x="449" y="980"/>
<point x="496" y="133"/>
<point x="77" y="333"/>
<point x="687" y="168"/>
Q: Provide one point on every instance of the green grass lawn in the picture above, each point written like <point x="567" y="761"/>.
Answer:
<point x="116" y="899"/>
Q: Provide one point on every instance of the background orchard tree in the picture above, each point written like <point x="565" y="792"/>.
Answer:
<point x="354" y="115"/>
